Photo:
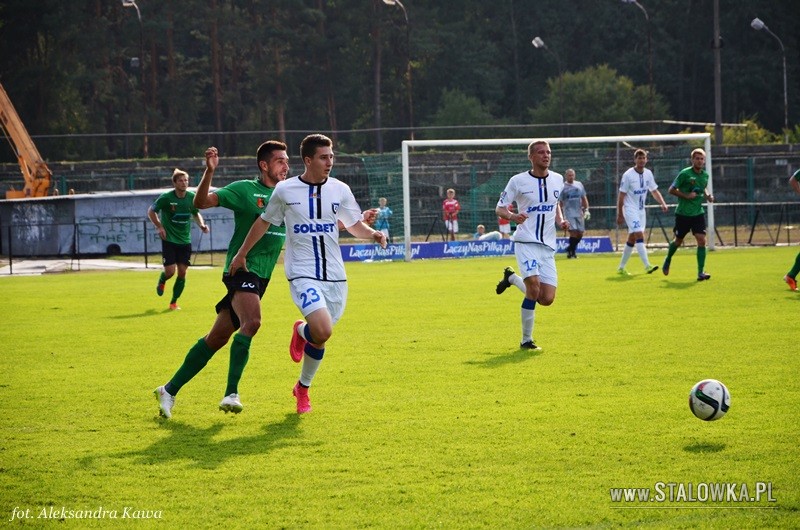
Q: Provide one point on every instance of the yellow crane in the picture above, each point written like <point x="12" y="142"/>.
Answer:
<point x="34" y="169"/>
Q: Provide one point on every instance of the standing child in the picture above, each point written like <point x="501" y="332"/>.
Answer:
<point x="450" y="209"/>
<point x="382" y="220"/>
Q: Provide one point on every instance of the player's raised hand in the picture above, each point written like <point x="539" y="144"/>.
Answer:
<point x="212" y="158"/>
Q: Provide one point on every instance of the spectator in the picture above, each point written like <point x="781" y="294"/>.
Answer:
<point x="382" y="220"/>
<point x="483" y="235"/>
<point x="450" y="209"/>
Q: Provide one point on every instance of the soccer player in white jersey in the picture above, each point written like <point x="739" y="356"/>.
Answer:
<point x="634" y="186"/>
<point x="312" y="206"/>
<point x="536" y="193"/>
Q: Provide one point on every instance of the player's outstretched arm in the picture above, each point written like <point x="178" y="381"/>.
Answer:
<point x="368" y="216"/>
<point x="256" y="232"/>
<point x="202" y="198"/>
<point x="504" y="213"/>
<point x="362" y="231"/>
<point x="657" y="196"/>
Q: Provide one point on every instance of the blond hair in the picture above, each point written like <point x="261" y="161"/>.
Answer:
<point x="178" y="173"/>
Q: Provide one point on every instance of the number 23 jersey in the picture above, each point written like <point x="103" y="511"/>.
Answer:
<point x="311" y="213"/>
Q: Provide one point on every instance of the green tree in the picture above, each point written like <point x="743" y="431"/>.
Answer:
<point x="752" y="133"/>
<point x="457" y="109"/>
<point x="597" y="94"/>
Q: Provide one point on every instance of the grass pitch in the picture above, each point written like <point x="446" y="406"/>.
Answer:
<point x="425" y="412"/>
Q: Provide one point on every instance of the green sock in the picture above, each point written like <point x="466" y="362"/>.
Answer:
<point x="796" y="269"/>
<point x="701" y="259"/>
<point x="673" y="248"/>
<point x="163" y="277"/>
<point x="195" y="360"/>
<point x="240" y="353"/>
<point x="177" y="289"/>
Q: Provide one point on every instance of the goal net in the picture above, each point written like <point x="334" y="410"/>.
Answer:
<point x="415" y="182"/>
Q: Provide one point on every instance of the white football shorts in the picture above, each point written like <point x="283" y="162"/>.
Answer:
<point x="534" y="259"/>
<point x="635" y="219"/>
<point x="310" y="295"/>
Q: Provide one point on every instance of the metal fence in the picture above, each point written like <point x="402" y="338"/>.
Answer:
<point x="737" y="225"/>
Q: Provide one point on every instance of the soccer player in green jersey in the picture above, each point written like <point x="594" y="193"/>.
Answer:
<point x="690" y="189"/>
<point x="791" y="276"/>
<point x="240" y="308"/>
<point x="171" y="214"/>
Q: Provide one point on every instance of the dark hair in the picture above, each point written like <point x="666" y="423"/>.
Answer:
<point x="265" y="150"/>
<point x="639" y="152"/>
<point x="308" y="147"/>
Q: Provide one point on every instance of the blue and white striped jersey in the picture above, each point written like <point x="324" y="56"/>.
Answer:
<point x="635" y="186"/>
<point x="536" y="197"/>
<point x="310" y="213"/>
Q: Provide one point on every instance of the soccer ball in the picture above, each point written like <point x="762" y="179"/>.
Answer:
<point x="709" y="400"/>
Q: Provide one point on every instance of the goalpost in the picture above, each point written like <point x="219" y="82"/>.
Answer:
<point x="407" y="145"/>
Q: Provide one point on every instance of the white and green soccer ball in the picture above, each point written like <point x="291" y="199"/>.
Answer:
<point x="709" y="399"/>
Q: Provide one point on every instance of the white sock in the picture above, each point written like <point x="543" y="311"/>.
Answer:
<point x="301" y="330"/>
<point x="527" y="324"/>
<point x="642" y="250"/>
<point x="625" y="255"/>
<point x="309" y="370"/>
<point x="516" y="281"/>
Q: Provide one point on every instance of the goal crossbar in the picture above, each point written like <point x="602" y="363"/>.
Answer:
<point x="408" y="144"/>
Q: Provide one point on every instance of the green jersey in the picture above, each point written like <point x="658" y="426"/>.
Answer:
<point x="688" y="181"/>
<point x="176" y="215"/>
<point x="248" y="199"/>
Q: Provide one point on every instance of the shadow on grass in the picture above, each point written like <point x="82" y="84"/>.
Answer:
<point x="620" y="278"/>
<point x="148" y="313"/>
<point x="495" y="361"/>
<point x="704" y="447"/>
<point x="186" y="442"/>
<point x="679" y="285"/>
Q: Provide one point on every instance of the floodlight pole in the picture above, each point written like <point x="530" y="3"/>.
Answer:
<point x="132" y="3"/>
<point x="399" y="4"/>
<point x="649" y="61"/>
<point x="717" y="45"/>
<point x="758" y="24"/>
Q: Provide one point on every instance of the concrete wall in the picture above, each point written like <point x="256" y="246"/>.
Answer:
<point x="98" y="223"/>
